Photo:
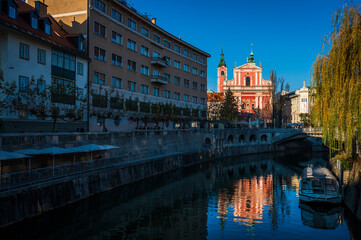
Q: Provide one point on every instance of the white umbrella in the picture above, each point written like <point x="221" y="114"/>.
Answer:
<point x="31" y="151"/>
<point x="11" y="155"/>
<point x="106" y="147"/>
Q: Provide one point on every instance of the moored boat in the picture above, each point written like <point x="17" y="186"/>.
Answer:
<point x="319" y="185"/>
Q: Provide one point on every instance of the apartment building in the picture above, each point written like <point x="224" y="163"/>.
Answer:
<point x="44" y="72"/>
<point x="133" y="58"/>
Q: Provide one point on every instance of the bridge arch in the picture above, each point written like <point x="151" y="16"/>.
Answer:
<point x="230" y="139"/>
<point x="253" y="139"/>
<point x="242" y="139"/>
<point x="264" y="138"/>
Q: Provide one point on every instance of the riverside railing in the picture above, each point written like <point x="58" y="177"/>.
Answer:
<point x="16" y="180"/>
<point x="288" y="134"/>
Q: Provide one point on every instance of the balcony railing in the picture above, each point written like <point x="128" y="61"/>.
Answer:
<point x="62" y="98"/>
<point x="159" y="61"/>
<point x="158" y="79"/>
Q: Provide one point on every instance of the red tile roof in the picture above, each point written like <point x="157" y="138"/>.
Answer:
<point x="58" y="34"/>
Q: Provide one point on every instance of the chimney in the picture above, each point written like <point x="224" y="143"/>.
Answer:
<point x="41" y="8"/>
<point x="154" y="21"/>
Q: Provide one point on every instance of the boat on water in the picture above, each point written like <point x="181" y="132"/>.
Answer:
<point x="319" y="185"/>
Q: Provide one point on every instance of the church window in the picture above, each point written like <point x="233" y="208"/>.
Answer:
<point x="248" y="81"/>
<point x="222" y="73"/>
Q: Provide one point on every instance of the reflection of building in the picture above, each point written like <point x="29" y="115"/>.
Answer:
<point x="134" y="58"/>
<point x="252" y="92"/>
<point x="249" y="199"/>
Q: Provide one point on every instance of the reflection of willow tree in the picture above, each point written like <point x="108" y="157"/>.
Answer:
<point x="336" y="78"/>
<point x="280" y="207"/>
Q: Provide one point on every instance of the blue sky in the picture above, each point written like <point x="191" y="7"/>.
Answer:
<point x="286" y="35"/>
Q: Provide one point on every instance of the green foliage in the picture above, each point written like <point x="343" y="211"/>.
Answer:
<point x="145" y="107"/>
<point x="229" y="108"/>
<point x="336" y="79"/>
<point x="305" y="119"/>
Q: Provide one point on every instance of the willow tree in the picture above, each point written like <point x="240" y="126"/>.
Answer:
<point x="337" y="80"/>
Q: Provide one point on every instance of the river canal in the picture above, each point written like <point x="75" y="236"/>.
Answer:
<point x="248" y="197"/>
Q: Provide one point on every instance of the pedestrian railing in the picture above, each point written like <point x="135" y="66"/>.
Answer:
<point x="10" y="181"/>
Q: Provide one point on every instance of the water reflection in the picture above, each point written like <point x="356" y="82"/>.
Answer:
<point x="319" y="216"/>
<point x="247" y="197"/>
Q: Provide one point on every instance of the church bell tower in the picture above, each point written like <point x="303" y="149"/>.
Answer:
<point x="221" y="73"/>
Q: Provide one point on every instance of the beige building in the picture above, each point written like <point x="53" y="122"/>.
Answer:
<point x="133" y="58"/>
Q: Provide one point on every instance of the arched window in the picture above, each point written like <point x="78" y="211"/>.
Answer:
<point x="222" y="73"/>
<point x="248" y="81"/>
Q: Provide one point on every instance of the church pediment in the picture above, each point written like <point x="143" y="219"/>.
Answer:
<point x="248" y="66"/>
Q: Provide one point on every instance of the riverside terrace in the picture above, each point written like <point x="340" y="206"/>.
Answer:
<point x="131" y="156"/>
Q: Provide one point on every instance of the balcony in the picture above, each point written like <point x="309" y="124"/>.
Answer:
<point x="158" y="61"/>
<point x="158" y="79"/>
<point x="62" y="98"/>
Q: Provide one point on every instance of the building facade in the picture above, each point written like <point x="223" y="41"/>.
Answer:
<point x="45" y="69"/>
<point x="252" y="92"/>
<point x="133" y="59"/>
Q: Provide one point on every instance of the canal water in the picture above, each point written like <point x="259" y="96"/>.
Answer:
<point x="248" y="197"/>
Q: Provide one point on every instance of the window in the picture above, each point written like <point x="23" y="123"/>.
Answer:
<point x="81" y="44"/>
<point x="155" y="73"/>
<point x="144" y="89"/>
<point x="195" y="71"/>
<point x="202" y="60"/>
<point x="248" y="81"/>
<point x="167" y="76"/>
<point x="99" y="54"/>
<point x="116" y="60"/>
<point x="177" y="64"/>
<point x="156" y="38"/>
<point x="62" y="60"/>
<point x="186" y="67"/>
<point x="23" y="84"/>
<point x="203" y="87"/>
<point x="177" y="48"/>
<point x="116" y="82"/>
<point x="186" y="83"/>
<point x="166" y="43"/>
<point x="176" y="96"/>
<point x="144" y="51"/>
<point x="304" y="100"/>
<point x="41" y="56"/>
<point x="222" y="73"/>
<point x="194" y="100"/>
<point x="47" y="28"/>
<point x="156" y="55"/>
<point x="117" y="38"/>
<point x="12" y="12"/>
<point x="132" y="66"/>
<point x="132" y="86"/>
<point x="145" y="32"/>
<point x="176" y="80"/>
<point x="167" y="59"/>
<point x="144" y="70"/>
<point x="203" y="73"/>
<point x="132" y="45"/>
<point x="203" y="101"/>
<point x="195" y="85"/>
<point x="24" y="51"/>
<point x="194" y="56"/>
<point x="41" y="85"/>
<point x="99" y="5"/>
<point x="156" y="92"/>
<point x="116" y="15"/>
<point x="132" y="24"/>
<point x="34" y="23"/>
<point x="186" y="97"/>
<point x="99" y="78"/>
<point x="252" y="106"/>
<point x="99" y="29"/>
<point x="166" y="94"/>
<point x="186" y="53"/>
<point x="80" y="68"/>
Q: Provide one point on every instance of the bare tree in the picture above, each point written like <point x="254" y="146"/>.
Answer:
<point x="274" y="84"/>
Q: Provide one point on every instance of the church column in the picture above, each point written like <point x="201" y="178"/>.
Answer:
<point x="261" y="107"/>
<point x="256" y="78"/>
<point x="256" y="101"/>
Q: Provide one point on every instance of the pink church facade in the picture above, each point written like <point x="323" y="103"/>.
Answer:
<point x="252" y="92"/>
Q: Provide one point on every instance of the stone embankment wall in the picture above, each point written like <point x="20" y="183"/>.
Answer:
<point x="353" y="190"/>
<point x="173" y="149"/>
